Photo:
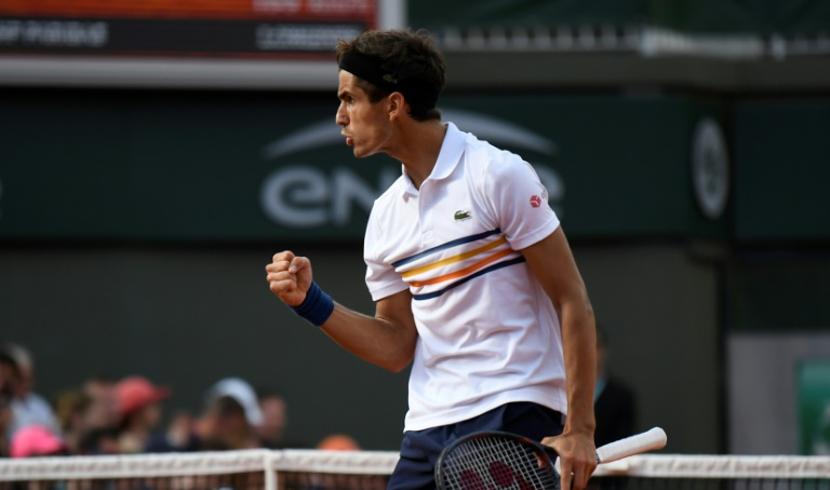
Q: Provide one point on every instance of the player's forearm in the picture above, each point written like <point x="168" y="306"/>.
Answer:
<point x="579" y="347"/>
<point x="375" y="340"/>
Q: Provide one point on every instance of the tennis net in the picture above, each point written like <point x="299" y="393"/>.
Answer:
<point x="369" y="470"/>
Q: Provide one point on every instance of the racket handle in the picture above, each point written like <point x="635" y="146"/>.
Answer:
<point x="654" y="438"/>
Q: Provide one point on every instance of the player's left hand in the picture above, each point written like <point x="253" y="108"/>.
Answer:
<point x="577" y="458"/>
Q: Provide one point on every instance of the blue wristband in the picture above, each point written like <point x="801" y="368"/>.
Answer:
<point x="316" y="307"/>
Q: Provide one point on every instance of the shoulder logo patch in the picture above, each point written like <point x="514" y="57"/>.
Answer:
<point x="535" y="201"/>
<point x="462" y="215"/>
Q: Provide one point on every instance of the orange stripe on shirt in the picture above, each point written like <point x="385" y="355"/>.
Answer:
<point x="455" y="258"/>
<point x="465" y="271"/>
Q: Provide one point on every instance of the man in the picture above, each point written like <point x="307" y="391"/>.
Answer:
<point x="28" y="408"/>
<point x="274" y="420"/>
<point x="139" y="406"/>
<point x="615" y="406"/>
<point x="233" y="414"/>
<point x="472" y="276"/>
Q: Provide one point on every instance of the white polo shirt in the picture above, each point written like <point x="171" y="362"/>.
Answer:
<point x="487" y="332"/>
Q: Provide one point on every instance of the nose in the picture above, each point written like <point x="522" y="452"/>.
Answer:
<point x="341" y="118"/>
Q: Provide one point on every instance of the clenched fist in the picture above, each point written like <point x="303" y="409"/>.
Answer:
<point x="289" y="277"/>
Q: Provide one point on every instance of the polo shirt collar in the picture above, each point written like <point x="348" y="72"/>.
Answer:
<point x="451" y="149"/>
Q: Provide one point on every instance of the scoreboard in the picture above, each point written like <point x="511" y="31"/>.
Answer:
<point x="221" y="44"/>
<point x="292" y="29"/>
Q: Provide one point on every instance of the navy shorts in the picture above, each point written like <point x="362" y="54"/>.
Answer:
<point x="420" y="449"/>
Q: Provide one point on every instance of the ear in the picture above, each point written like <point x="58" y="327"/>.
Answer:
<point x="396" y="106"/>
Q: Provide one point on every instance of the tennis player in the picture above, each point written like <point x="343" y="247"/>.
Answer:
<point x="472" y="276"/>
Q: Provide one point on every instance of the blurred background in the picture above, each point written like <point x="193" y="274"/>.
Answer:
<point x="154" y="155"/>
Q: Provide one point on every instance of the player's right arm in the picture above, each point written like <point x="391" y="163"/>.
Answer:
<point x="387" y="339"/>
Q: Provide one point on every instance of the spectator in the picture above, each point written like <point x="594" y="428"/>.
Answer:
<point x="232" y="416"/>
<point x="181" y="436"/>
<point x="88" y="416"/>
<point x="103" y="411"/>
<point x="28" y="408"/>
<point x="139" y="403"/>
<point x="35" y="440"/>
<point x="614" y="403"/>
<point x="274" y="419"/>
<point x="72" y="407"/>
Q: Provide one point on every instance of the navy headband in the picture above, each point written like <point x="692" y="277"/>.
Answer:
<point x="370" y="68"/>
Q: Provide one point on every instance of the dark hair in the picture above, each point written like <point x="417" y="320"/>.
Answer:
<point x="412" y="55"/>
<point x="7" y="360"/>
<point x="228" y="406"/>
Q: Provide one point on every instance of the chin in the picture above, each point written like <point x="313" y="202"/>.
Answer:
<point x="361" y="153"/>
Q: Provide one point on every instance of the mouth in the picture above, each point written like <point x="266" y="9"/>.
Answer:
<point x="349" y="141"/>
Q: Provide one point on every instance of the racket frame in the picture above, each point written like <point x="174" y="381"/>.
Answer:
<point x="649" y="440"/>
<point x="545" y="454"/>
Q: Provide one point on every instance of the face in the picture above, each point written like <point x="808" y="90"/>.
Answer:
<point x="151" y="415"/>
<point x="274" y="418"/>
<point x="365" y="125"/>
<point x="9" y="379"/>
<point x="27" y="377"/>
<point x="103" y="411"/>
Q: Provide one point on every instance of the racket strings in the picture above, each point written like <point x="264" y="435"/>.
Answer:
<point x="497" y="463"/>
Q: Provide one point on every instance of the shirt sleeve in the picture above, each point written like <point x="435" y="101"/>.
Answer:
<point x="381" y="278"/>
<point x="519" y="201"/>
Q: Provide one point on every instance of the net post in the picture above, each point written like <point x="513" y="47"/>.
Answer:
<point x="270" y="475"/>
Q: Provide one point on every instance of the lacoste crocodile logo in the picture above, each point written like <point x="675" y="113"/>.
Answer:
<point x="462" y="215"/>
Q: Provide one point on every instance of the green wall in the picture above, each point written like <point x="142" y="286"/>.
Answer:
<point x="229" y="166"/>
<point x="782" y="152"/>
<point x="187" y="316"/>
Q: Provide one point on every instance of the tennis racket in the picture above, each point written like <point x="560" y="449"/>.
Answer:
<point x="499" y="460"/>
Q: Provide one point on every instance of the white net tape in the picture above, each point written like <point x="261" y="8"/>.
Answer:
<point x="702" y="466"/>
<point x="340" y="462"/>
<point x="134" y="466"/>
<point x="382" y="463"/>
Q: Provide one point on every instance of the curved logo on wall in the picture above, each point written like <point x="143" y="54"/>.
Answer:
<point x="710" y="168"/>
<point x="305" y="196"/>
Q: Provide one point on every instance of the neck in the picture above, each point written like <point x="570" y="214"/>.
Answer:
<point x="418" y="148"/>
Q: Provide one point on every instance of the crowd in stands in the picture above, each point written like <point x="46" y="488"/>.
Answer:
<point x="124" y="416"/>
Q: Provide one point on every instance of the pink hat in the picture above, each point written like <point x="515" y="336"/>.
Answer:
<point x="137" y="392"/>
<point x="34" y="440"/>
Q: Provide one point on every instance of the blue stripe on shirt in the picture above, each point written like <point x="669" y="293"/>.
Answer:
<point x="435" y="294"/>
<point x="450" y="244"/>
